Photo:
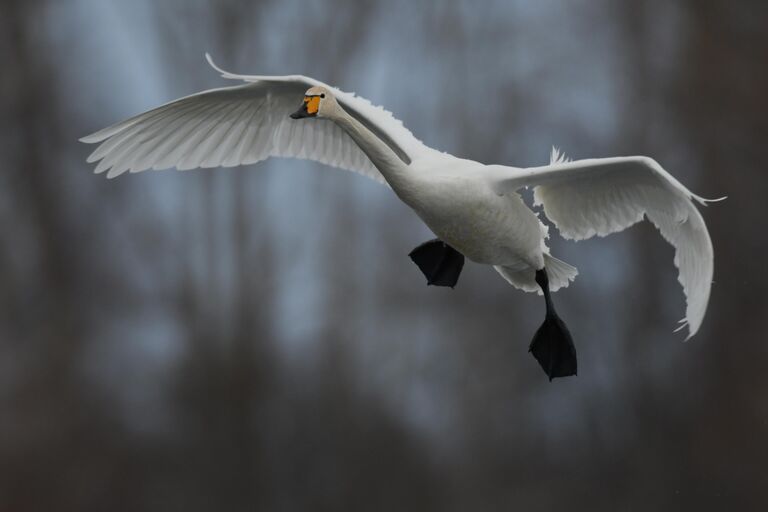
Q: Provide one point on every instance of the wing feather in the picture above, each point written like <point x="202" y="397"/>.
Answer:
<point x="177" y="142"/>
<point x="221" y="137"/>
<point x="235" y="156"/>
<point x="597" y="197"/>
<point x="231" y="134"/>
<point x="244" y="124"/>
<point x="202" y="137"/>
<point x="156" y="147"/>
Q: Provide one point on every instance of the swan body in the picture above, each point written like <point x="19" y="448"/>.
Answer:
<point x="475" y="210"/>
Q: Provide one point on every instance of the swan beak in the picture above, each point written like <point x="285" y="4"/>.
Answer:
<point x="309" y="108"/>
<point x="301" y="113"/>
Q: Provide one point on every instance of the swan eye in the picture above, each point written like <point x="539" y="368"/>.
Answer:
<point x="322" y="95"/>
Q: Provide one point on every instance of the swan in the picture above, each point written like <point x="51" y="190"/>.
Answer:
<point x="475" y="210"/>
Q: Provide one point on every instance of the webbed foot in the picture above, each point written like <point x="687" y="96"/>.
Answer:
<point x="440" y="263"/>
<point x="552" y="345"/>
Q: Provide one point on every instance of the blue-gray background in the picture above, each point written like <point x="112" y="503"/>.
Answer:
<point x="257" y="339"/>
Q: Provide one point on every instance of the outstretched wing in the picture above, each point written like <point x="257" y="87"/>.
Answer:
<point x="592" y="197"/>
<point x="243" y="125"/>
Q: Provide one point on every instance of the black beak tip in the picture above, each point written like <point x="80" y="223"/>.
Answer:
<point x="301" y="113"/>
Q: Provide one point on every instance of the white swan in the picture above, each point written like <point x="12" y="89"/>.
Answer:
<point x="474" y="209"/>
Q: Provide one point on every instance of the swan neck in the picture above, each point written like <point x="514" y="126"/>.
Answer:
<point x="383" y="158"/>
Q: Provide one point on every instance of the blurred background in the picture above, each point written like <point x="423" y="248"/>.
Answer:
<point x="257" y="338"/>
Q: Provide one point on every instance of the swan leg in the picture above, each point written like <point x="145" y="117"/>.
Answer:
<point x="440" y="263"/>
<point x="552" y="345"/>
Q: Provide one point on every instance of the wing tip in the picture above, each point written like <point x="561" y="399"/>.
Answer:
<point x="692" y="328"/>
<point x="114" y="173"/>
<point x="229" y="75"/>
<point x="704" y="201"/>
<point x="95" y="137"/>
<point x="214" y="66"/>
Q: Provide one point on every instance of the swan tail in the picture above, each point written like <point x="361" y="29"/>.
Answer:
<point x="560" y="275"/>
<point x="520" y="279"/>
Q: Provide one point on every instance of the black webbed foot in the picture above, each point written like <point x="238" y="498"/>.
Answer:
<point x="553" y="348"/>
<point x="440" y="263"/>
<point x="552" y="345"/>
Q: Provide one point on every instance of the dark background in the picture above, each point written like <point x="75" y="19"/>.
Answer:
<point x="257" y="339"/>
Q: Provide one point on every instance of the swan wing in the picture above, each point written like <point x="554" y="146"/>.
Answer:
<point x="585" y="198"/>
<point x="245" y="124"/>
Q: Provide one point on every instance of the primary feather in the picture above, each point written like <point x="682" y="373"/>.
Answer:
<point x="244" y="124"/>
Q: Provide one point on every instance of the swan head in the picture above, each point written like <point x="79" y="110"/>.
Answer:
<point x="318" y="101"/>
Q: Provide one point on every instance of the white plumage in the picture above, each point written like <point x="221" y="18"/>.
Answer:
<point x="474" y="208"/>
<point x="238" y="126"/>
<point x="607" y="195"/>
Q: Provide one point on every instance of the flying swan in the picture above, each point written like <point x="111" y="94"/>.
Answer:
<point x="474" y="209"/>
